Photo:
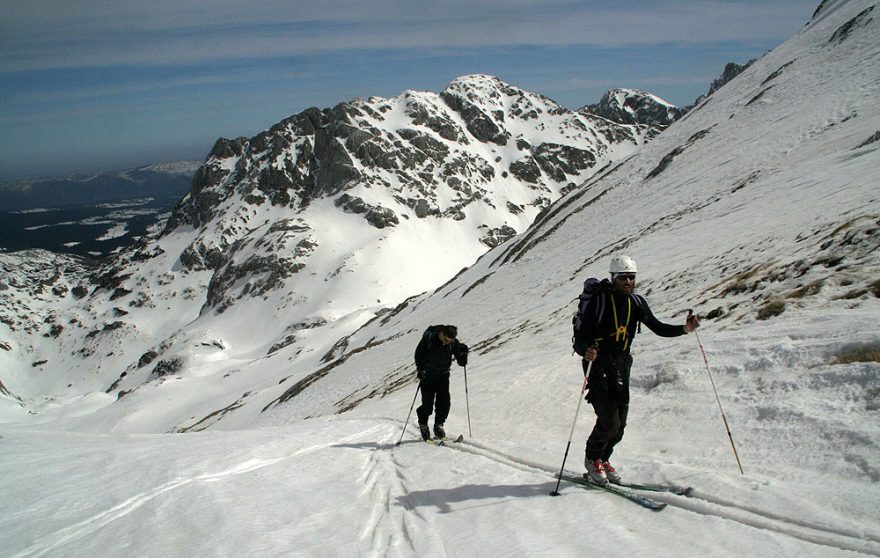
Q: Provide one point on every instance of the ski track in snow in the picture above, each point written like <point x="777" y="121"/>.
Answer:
<point x="840" y="538"/>
<point x="387" y="527"/>
<point x="88" y="526"/>
<point x="391" y="529"/>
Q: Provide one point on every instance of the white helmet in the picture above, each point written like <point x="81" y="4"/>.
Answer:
<point x="623" y="264"/>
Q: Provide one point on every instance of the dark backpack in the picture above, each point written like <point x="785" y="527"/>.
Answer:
<point x="594" y="288"/>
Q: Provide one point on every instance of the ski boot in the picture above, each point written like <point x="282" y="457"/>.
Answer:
<point x="611" y="473"/>
<point x="595" y="471"/>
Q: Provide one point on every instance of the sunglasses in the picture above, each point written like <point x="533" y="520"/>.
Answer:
<point x="626" y="276"/>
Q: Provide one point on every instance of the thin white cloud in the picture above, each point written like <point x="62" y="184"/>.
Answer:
<point x="141" y="86"/>
<point x="44" y="34"/>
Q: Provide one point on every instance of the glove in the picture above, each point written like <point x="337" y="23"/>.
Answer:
<point x="591" y="353"/>
<point x="692" y="323"/>
<point x="421" y="374"/>
<point x="461" y="354"/>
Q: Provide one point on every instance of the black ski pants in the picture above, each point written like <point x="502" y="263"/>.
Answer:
<point x="435" y="397"/>
<point x="608" y="431"/>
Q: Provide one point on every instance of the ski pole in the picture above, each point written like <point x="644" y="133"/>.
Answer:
<point x="718" y="399"/>
<point x="573" y="423"/>
<point x="467" y="402"/>
<point x="409" y="413"/>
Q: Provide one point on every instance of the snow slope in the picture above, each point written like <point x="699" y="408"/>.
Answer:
<point x="759" y="210"/>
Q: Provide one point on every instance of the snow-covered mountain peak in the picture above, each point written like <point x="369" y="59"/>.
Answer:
<point x="500" y="100"/>
<point x="478" y="87"/>
<point x="415" y="156"/>
<point x="621" y="95"/>
<point x="632" y="106"/>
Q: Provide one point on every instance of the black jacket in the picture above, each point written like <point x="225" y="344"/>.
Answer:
<point x="613" y="333"/>
<point x="434" y="357"/>
<point x="618" y="312"/>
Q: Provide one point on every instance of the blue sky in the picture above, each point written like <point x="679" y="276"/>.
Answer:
<point x="98" y="84"/>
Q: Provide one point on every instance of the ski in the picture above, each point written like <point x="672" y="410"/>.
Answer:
<point x="670" y="488"/>
<point x="650" y="487"/>
<point x="444" y="441"/>
<point x="639" y="499"/>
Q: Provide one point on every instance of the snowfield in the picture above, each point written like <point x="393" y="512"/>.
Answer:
<point x="759" y="210"/>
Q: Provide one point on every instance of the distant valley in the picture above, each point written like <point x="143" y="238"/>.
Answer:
<point x="86" y="230"/>
<point x="92" y="215"/>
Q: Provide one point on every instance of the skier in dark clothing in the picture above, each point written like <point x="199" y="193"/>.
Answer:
<point x="433" y="356"/>
<point x="606" y="343"/>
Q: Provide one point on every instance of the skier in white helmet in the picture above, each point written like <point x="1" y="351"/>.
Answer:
<point x="609" y="323"/>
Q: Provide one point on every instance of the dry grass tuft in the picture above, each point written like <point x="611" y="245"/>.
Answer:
<point x="869" y="353"/>
<point x="806" y="290"/>
<point x="771" y="309"/>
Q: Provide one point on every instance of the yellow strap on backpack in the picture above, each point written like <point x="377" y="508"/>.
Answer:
<point x="622" y="330"/>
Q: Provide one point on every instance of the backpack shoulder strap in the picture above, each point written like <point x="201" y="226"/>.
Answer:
<point x="638" y="300"/>
<point x="603" y="289"/>
<point x="601" y="300"/>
